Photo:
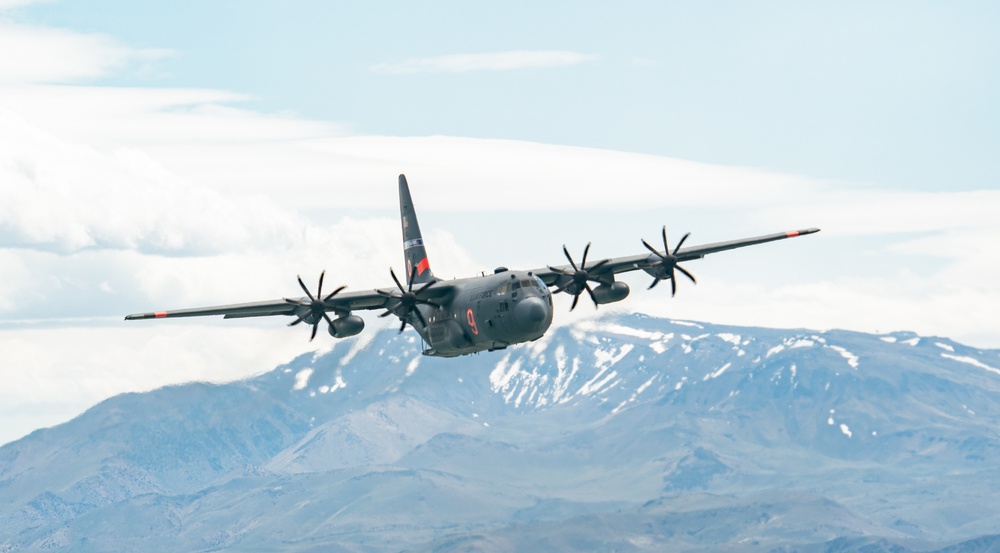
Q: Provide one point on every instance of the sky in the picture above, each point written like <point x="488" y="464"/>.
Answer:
<point x="157" y="155"/>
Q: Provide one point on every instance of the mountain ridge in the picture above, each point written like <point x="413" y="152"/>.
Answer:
<point x="371" y="447"/>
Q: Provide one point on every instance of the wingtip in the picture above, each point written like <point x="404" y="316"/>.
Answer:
<point x="803" y="232"/>
<point x="142" y="316"/>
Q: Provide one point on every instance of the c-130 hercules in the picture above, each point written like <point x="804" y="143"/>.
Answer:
<point x="482" y="313"/>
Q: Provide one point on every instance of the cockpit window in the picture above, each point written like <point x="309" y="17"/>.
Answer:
<point x="515" y="285"/>
<point x="540" y="282"/>
<point x="526" y="283"/>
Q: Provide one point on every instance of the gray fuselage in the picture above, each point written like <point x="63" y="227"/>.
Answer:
<point x="485" y="313"/>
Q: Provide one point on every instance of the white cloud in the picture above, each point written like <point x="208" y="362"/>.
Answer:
<point x="64" y="197"/>
<point x="490" y="61"/>
<point x="116" y="200"/>
<point x="53" y="372"/>
<point x="45" y="55"/>
<point x="851" y="211"/>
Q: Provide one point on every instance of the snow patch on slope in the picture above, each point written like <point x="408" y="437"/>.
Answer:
<point x="302" y="379"/>
<point x="502" y="374"/>
<point x="852" y="359"/>
<point x="733" y="339"/>
<point x="686" y="323"/>
<point x="412" y="367"/>
<point x="635" y="395"/>
<point x="361" y="341"/>
<point x="970" y="361"/>
<point x="718" y="372"/>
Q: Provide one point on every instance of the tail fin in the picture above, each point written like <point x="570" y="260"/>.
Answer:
<point x="413" y="242"/>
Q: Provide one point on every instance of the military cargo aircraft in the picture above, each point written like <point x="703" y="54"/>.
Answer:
<point x="481" y="313"/>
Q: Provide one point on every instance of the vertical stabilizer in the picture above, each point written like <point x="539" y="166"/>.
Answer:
<point x="413" y="242"/>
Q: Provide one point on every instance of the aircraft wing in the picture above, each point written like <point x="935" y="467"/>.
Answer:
<point x="344" y="301"/>
<point x="556" y="275"/>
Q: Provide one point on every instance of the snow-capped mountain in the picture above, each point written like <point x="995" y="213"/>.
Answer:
<point x="627" y="433"/>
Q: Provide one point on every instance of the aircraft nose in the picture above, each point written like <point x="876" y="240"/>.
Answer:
<point x="530" y="313"/>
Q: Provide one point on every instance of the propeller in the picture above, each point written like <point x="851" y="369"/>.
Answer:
<point x="317" y="306"/>
<point x="407" y="301"/>
<point x="669" y="262"/>
<point x="580" y="276"/>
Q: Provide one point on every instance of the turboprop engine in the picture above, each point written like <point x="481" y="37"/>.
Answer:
<point x="609" y="293"/>
<point x="345" y="326"/>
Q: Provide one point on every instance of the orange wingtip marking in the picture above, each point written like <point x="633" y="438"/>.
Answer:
<point x="160" y="314"/>
<point x="792" y="234"/>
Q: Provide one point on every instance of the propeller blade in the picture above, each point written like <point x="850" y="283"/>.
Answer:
<point x="652" y="249"/>
<point x="591" y="292"/>
<point x="402" y="326"/>
<point x="413" y="275"/>
<point x="396" y="280"/>
<point x="586" y="250"/>
<point x="563" y="287"/>
<point x="668" y="261"/>
<point x="334" y="293"/>
<point x="317" y="309"/>
<point x="420" y="316"/>
<point x="424" y="287"/>
<point x="305" y="289"/>
<point x="391" y="310"/>
<point x="599" y="264"/>
<point x="576" y="298"/>
<point x="687" y="274"/>
<point x="681" y="243"/>
<point x="570" y="258"/>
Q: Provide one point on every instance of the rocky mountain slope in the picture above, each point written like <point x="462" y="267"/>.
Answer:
<point x="629" y="433"/>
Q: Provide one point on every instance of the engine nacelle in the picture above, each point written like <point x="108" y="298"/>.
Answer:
<point x="345" y="326"/>
<point x="616" y="291"/>
<point x="658" y="271"/>
<point x="447" y="334"/>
